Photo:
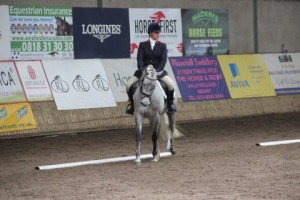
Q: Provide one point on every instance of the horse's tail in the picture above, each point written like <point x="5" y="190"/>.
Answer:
<point x="166" y="130"/>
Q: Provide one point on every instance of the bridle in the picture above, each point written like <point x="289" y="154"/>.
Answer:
<point x="148" y="95"/>
<point x="151" y="92"/>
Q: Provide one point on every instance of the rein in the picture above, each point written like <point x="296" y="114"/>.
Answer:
<point x="151" y="79"/>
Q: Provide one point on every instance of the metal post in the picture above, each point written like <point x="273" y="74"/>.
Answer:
<point x="255" y="33"/>
<point x="99" y="3"/>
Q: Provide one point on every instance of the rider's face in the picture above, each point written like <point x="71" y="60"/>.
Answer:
<point x="154" y="35"/>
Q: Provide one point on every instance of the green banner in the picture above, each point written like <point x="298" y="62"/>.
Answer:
<point x="39" y="32"/>
<point x="205" y="32"/>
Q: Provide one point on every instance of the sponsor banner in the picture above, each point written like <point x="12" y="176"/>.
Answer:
<point x="168" y="68"/>
<point x="39" y="32"/>
<point x="246" y="76"/>
<point x="79" y="84"/>
<point x="284" y="71"/>
<point x="34" y="81"/>
<point x="15" y="117"/>
<point x="199" y="78"/>
<point x="170" y="22"/>
<point x="119" y="71"/>
<point x="10" y="85"/>
<point x="205" y="31"/>
<point x="4" y="34"/>
<point x="101" y="33"/>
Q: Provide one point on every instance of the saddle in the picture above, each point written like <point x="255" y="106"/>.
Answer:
<point x="135" y="85"/>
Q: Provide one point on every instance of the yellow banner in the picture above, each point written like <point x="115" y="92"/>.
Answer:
<point x="246" y="76"/>
<point x="16" y="117"/>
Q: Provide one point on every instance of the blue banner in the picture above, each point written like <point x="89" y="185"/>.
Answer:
<point x="199" y="78"/>
<point x="101" y="33"/>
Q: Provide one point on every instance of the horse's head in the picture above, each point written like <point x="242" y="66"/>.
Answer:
<point x="148" y="84"/>
<point x="59" y="21"/>
<point x="150" y="73"/>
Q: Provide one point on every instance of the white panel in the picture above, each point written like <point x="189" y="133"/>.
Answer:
<point x="79" y="84"/>
<point x="10" y="85"/>
<point x="119" y="71"/>
<point x="34" y="80"/>
<point x="170" y="22"/>
<point x="284" y="70"/>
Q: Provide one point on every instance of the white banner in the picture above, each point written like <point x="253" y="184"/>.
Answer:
<point x="10" y="85"/>
<point x="4" y="34"/>
<point x="170" y="22"/>
<point x="79" y="84"/>
<point x="284" y="70"/>
<point x="34" y="81"/>
<point x="119" y="71"/>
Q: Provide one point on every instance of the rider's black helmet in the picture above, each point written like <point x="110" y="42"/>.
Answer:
<point x="154" y="27"/>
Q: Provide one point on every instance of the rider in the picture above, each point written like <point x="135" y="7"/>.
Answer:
<point x="152" y="52"/>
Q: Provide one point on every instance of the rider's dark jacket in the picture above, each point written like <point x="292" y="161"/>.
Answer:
<point x="156" y="57"/>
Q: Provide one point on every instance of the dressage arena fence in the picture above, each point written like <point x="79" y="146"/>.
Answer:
<point x="51" y="121"/>
<point x="241" y="25"/>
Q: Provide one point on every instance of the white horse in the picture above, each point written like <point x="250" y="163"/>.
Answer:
<point x="149" y="102"/>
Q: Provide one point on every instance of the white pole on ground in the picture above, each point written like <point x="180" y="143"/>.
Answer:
<point x="94" y="162"/>
<point x="278" y="142"/>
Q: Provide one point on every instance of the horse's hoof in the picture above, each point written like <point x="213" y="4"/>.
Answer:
<point x="155" y="159"/>
<point x="173" y="151"/>
<point x="137" y="162"/>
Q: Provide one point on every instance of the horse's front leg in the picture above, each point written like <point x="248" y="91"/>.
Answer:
<point x="155" y="135"/>
<point x="138" y="138"/>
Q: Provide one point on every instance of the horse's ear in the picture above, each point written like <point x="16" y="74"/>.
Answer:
<point x="150" y="66"/>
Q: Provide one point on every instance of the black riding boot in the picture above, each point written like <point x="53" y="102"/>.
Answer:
<point x="170" y="101"/>
<point x="130" y="107"/>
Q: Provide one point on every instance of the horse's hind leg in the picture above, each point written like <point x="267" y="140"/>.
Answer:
<point x="155" y="135"/>
<point x="171" y="116"/>
<point x="138" y="138"/>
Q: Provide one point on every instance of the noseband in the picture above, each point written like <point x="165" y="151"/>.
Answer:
<point x="144" y="94"/>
